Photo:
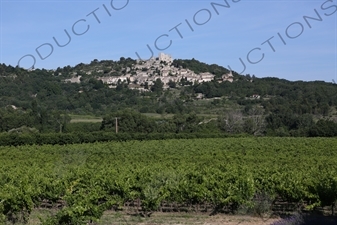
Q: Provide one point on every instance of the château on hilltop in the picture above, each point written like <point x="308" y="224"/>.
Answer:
<point x="144" y="73"/>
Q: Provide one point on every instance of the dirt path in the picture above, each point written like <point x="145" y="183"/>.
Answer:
<point x="113" y="218"/>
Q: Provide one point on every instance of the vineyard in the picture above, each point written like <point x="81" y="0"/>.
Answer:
<point x="82" y="181"/>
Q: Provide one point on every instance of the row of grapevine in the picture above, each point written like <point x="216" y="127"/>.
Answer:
<point x="91" y="178"/>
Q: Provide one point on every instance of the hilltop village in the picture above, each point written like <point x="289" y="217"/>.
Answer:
<point x="143" y="74"/>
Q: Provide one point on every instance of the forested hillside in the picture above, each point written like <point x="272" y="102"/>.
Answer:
<point x="40" y="101"/>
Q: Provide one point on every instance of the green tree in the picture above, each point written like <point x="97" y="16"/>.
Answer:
<point x="157" y="86"/>
<point x="186" y="122"/>
<point x="172" y="84"/>
<point x="129" y="121"/>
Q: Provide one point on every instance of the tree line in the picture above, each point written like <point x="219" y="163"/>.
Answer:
<point x="132" y="125"/>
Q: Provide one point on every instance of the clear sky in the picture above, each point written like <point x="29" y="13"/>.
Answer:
<point x="272" y="38"/>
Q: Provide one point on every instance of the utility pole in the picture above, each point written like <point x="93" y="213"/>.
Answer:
<point x="116" y="123"/>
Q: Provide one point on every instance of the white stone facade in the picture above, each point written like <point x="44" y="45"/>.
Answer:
<point x="166" y="58"/>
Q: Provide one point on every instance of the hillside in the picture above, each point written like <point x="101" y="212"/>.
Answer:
<point x="161" y="86"/>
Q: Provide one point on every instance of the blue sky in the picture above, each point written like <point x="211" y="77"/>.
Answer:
<point x="220" y="35"/>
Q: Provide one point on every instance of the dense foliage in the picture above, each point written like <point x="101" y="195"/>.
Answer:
<point x="200" y="67"/>
<point x="41" y="100"/>
<point x="20" y="87"/>
<point x="54" y="128"/>
<point x="92" y="178"/>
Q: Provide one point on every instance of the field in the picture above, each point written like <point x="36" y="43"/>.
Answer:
<point x="85" y="118"/>
<point x="95" y="119"/>
<point x="84" y="182"/>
